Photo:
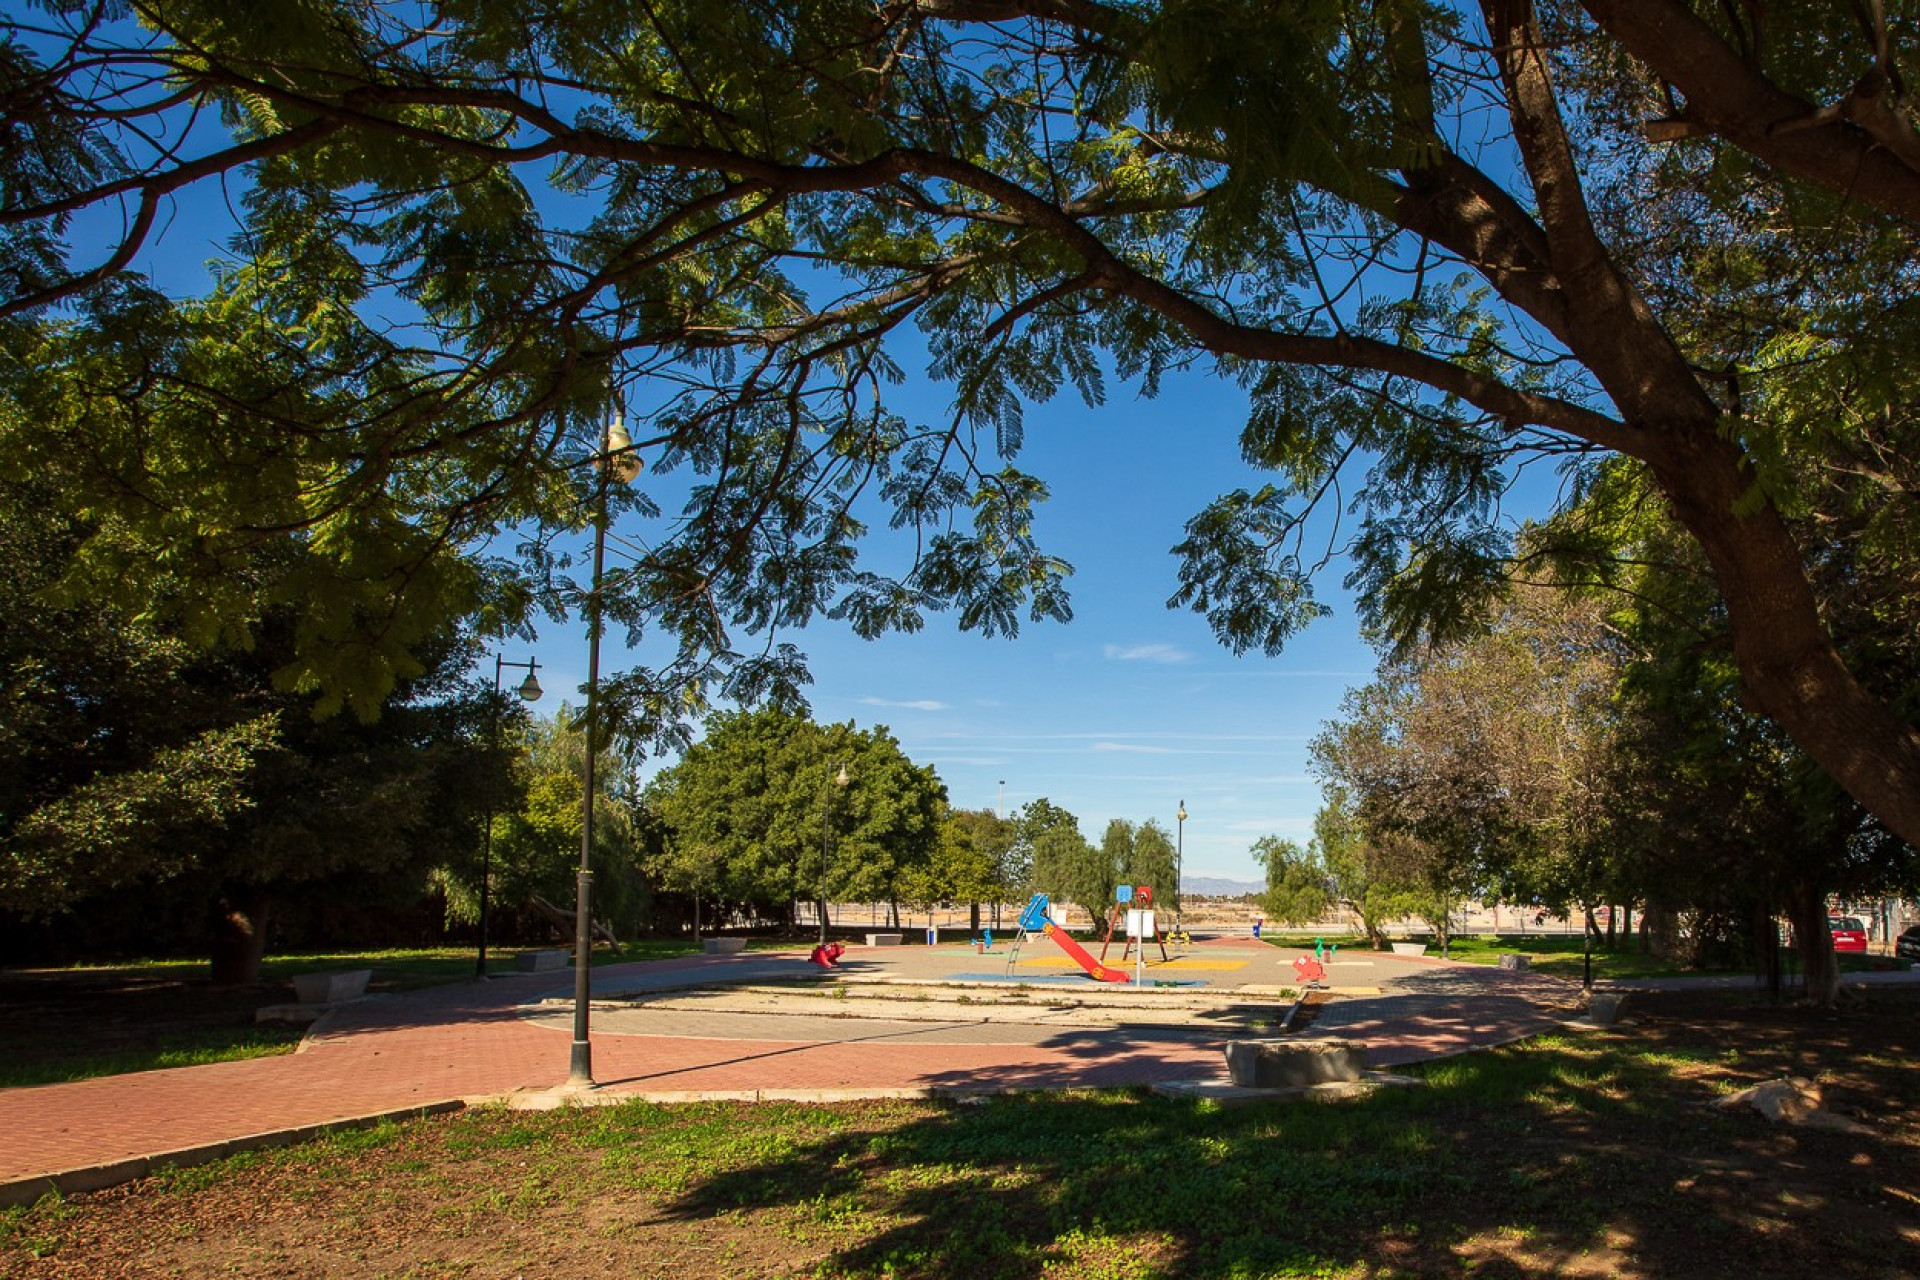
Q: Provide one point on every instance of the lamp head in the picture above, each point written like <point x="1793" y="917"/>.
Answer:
<point x="529" y="689"/>
<point x="1182" y="815"/>
<point x="841" y="779"/>
<point x="618" y="458"/>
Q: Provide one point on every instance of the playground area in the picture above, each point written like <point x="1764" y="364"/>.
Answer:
<point x="1037" y="984"/>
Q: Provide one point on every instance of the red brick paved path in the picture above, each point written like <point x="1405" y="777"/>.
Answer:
<point x="472" y="1041"/>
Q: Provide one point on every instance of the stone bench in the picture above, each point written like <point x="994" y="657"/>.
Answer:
<point x="724" y="946"/>
<point x="1508" y="960"/>
<point x="1409" y="948"/>
<point x="541" y="961"/>
<point x="886" y="939"/>
<point x="331" y="988"/>
<point x="1294" y="1064"/>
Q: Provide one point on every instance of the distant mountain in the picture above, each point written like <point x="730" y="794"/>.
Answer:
<point x="1215" y="887"/>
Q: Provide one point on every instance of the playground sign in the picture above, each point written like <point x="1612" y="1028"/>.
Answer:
<point x="1140" y="923"/>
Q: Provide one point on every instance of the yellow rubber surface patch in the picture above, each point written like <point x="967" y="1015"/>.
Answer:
<point x="1187" y="964"/>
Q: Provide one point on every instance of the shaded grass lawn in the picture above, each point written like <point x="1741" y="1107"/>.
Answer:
<point x="95" y="1020"/>
<point x="1560" y="956"/>
<point x="1589" y="1155"/>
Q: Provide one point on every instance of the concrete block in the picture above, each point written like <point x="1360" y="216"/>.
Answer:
<point x="1604" y="1008"/>
<point x="1409" y="948"/>
<point x="886" y="939"/>
<point x="331" y="988"/>
<point x="724" y="946"/>
<point x="1294" y="1064"/>
<point x="541" y="961"/>
<point x="1518" y="962"/>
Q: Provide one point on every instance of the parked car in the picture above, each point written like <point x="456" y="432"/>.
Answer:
<point x="1908" y="944"/>
<point x="1849" y="934"/>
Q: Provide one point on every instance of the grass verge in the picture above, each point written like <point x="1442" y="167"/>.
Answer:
<point x="1592" y="1155"/>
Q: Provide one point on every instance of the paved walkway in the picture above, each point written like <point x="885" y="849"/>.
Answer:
<point x="482" y="1040"/>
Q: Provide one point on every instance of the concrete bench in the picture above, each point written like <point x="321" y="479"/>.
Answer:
<point x="1409" y="948"/>
<point x="1509" y="960"/>
<point x="541" y="961"/>
<point x="331" y="988"/>
<point x="724" y="946"/>
<point x="886" y="939"/>
<point x="1294" y="1064"/>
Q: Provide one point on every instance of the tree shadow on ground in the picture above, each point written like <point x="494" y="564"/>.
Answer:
<point x="1585" y="1155"/>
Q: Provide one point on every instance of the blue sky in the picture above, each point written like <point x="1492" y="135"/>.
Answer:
<point x="1124" y="712"/>
<point x="1130" y="708"/>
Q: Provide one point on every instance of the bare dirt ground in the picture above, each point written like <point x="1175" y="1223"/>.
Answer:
<point x="1594" y="1155"/>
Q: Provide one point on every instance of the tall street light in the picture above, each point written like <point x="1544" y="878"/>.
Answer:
<point x="840" y="780"/>
<point x="529" y="691"/>
<point x="616" y="461"/>
<point x="1179" y="858"/>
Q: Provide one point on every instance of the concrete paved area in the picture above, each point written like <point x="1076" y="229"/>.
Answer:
<point x="763" y="1025"/>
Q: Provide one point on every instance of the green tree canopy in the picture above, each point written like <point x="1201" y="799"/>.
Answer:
<point x="130" y="758"/>
<point x="1437" y="243"/>
<point x="1296" y="881"/>
<point x="753" y="814"/>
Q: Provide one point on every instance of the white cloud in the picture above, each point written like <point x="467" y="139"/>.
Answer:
<point x="916" y="704"/>
<point x="1166" y="654"/>
<point x="1134" y="747"/>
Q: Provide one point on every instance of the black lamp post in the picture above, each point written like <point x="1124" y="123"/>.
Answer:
<point x="839" y="780"/>
<point x="529" y="691"/>
<point x="616" y="461"/>
<point x="1179" y="859"/>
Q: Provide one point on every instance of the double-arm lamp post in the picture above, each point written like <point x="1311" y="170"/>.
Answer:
<point x="529" y="691"/>
<point x="839" y="780"/>
<point x="616" y="461"/>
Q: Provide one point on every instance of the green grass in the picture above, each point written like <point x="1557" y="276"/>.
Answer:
<point x="1560" y="956"/>
<point x="1091" y="1184"/>
<point x="1596" y="1147"/>
<point x="183" y="1049"/>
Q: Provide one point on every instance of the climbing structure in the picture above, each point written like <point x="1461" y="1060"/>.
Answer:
<point x="1136" y="896"/>
<point x="1033" y="919"/>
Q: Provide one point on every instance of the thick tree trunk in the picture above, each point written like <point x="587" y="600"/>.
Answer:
<point x="1807" y="909"/>
<point x="1788" y="663"/>
<point x="975" y="918"/>
<point x="239" y="940"/>
<point x="1662" y="930"/>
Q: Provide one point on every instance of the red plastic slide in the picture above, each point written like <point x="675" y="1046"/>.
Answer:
<point x="1080" y="957"/>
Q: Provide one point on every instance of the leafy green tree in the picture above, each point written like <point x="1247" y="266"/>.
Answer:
<point x="970" y="862"/>
<point x="1431" y="816"/>
<point x="1296" y="881"/>
<point x="1359" y="873"/>
<point x="1721" y="817"/>
<point x="133" y="759"/>
<point x="1434" y="242"/>
<point x="1150" y="862"/>
<point x="1065" y="865"/>
<point x="756" y="804"/>
<point x="536" y="842"/>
